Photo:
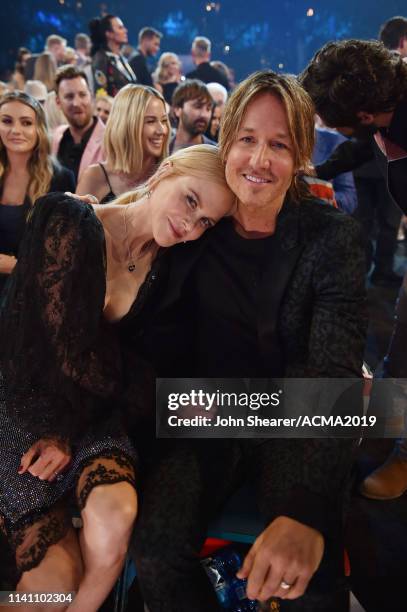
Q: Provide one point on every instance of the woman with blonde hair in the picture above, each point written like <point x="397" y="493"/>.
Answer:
<point x="135" y="142"/>
<point x="167" y="75"/>
<point x="66" y="377"/>
<point x="103" y="106"/>
<point x="27" y="171"/>
<point x="45" y="70"/>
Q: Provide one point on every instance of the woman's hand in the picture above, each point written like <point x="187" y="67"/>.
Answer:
<point x="7" y="263"/>
<point x="88" y="198"/>
<point x="45" y="459"/>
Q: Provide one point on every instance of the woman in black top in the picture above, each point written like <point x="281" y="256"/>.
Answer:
<point x="64" y="379"/>
<point x="135" y="141"/>
<point x="27" y="171"/>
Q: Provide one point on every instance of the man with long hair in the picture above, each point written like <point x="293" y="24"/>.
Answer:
<point x="361" y="87"/>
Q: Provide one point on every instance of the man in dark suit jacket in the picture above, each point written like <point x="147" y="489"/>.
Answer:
<point x="360" y="87"/>
<point x="149" y="41"/>
<point x="276" y="290"/>
<point x="201" y="54"/>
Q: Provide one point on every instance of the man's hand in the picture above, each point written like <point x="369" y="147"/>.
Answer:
<point x="288" y="553"/>
<point x="45" y="459"/>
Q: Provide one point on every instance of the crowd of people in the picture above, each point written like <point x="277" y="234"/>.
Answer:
<point x="160" y="225"/>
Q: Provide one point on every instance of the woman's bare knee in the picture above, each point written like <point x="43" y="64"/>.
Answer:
<point x="112" y="506"/>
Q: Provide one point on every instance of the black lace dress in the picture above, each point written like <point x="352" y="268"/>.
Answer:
<point x="63" y="375"/>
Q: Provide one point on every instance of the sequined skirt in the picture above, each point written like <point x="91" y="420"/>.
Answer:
<point x="24" y="495"/>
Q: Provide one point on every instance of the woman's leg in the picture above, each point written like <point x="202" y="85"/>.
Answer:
<point x="59" y="571"/>
<point x="108" y="517"/>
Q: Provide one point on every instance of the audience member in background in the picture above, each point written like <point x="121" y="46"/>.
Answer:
<point x="103" y="106"/>
<point x="167" y="75"/>
<point x="18" y="78"/>
<point x="213" y="130"/>
<point x="326" y="141"/>
<point x="37" y="90"/>
<point x="219" y="94"/>
<point x="27" y="171"/>
<point x="226" y="71"/>
<point x="80" y="142"/>
<point x="83" y="46"/>
<point x="70" y="57"/>
<point x="111" y="70"/>
<point x="135" y="142"/>
<point x="393" y="35"/>
<point x="45" y="70"/>
<point x="378" y="107"/>
<point x="149" y="41"/>
<point x="3" y="88"/>
<point x="192" y="105"/>
<point x="55" y="45"/>
<point x="201" y="55"/>
<point x="55" y="116"/>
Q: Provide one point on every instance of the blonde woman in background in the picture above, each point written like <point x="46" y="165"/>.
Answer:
<point x="135" y="142"/>
<point x="53" y="112"/>
<point x="70" y="56"/>
<point x="103" y="106"/>
<point x="45" y="70"/>
<point x="167" y="75"/>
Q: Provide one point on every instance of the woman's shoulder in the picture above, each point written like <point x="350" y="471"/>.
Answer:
<point x="94" y="180"/>
<point x="63" y="206"/>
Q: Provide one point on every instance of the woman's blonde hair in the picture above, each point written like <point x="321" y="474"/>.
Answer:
<point x="40" y="165"/>
<point x="123" y="140"/>
<point x="300" y="117"/>
<point x="45" y="70"/>
<point x="201" y="161"/>
<point x="160" y="74"/>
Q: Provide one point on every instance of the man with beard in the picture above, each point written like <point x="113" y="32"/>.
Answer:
<point x="79" y="143"/>
<point x="360" y="86"/>
<point x="192" y="104"/>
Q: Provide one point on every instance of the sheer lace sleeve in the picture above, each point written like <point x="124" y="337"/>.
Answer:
<point x="60" y="359"/>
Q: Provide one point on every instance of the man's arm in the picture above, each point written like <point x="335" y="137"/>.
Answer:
<point x="348" y="156"/>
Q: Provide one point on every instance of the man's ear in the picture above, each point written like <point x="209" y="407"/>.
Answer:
<point x="365" y="118"/>
<point x="177" y="111"/>
<point x="57" y="101"/>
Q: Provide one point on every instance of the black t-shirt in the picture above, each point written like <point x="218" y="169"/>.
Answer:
<point x="228" y="289"/>
<point x="70" y="153"/>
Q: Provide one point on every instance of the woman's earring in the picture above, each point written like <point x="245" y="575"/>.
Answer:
<point x="149" y="192"/>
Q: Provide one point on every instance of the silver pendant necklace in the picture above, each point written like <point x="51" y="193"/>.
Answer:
<point x="131" y="266"/>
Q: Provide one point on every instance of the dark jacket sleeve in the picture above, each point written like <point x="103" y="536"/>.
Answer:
<point x="316" y="471"/>
<point x="346" y="157"/>
<point x="54" y="337"/>
<point x="138" y="64"/>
